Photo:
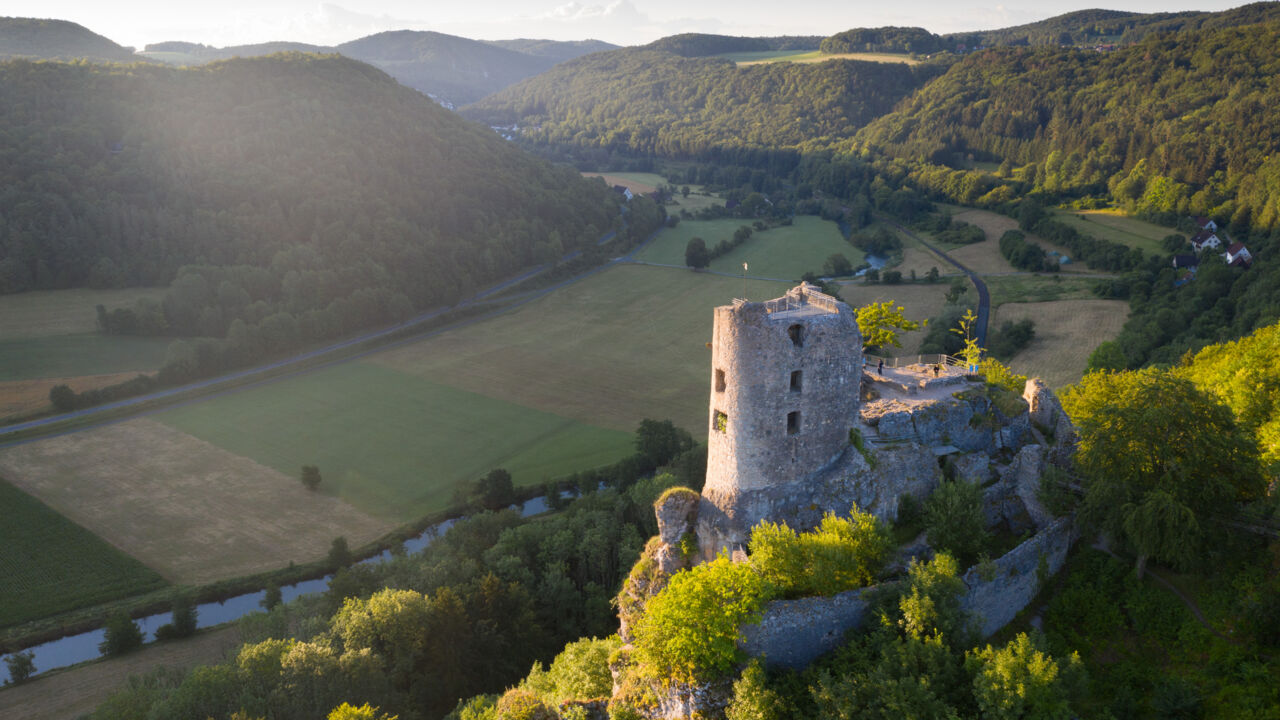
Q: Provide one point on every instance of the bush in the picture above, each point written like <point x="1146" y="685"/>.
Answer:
<point x="579" y="672"/>
<point x="840" y="554"/>
<point x="689" y="631"/>
<point x="22" y="665"/>
<point x="311" y="477"/>
<point x="953" y="515"/>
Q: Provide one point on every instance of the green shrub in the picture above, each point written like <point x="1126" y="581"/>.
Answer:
<point x="1021" y="680"/>
<point x="518" y="704"/>
<point x="840" y="554"/>
<point x="689" y="632"/>
<point x="579" y="672"/>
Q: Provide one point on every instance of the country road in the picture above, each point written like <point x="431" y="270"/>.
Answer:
<point x="984" y="297"/>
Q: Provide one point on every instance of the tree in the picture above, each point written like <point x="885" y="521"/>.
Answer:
<point x="972" y="352"/>
<point x="933" y="275"/>
<point x="837" y="265"/>
<point x="63" y="398"/>
<point x="752" y="697"/>
<point x="953" y="515"/>
<point x="346" y="711"/>
<point x="660" y="440"/>
<point x="495" y="491"/>
<point x="1023" y="681"/>
<point x="122" y="636"/>
<point x="271" y="597"/>
<point x="311" y="477"/>
<point x="880" y="324"/>
<point x="339" y="553"/>
<point x="696" y="255"/>
<point x="22" y="665"/>
<point x="1160" y="458"/>
<point x="184" y="619"/>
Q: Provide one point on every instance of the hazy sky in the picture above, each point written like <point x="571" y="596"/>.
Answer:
<point x="625" y="22"/>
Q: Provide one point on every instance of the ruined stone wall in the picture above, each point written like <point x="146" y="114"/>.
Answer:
<point x="793" y="633"/>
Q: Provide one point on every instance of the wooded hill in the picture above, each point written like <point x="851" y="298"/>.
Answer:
<point x="452" y="69"/>
<point x="649" y="102"/>
<point x="294" y="181"/>
<point x="56" y="40"/>
<point x="706" y="45"/>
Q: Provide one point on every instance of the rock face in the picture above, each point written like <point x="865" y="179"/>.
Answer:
<point x="969" y="421"/>
<point x="676" y="511"/>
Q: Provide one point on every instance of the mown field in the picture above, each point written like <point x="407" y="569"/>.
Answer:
<point x="50" y="564"/>
<point x="814" y="56"/>
<point x="1115" y="226"/>
<point x="920" y="301"/>
<point x="191" y="511"/>
<point x="62" y="312"/>
<point x="984" y="257"/>
<point x="1067" y="332"/>
<point x="786" y="252"/>
<point x="75" y="355"/>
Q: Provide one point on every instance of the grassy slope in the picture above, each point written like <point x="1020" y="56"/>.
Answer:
<point x="782" y="252"/>
<point x="1117" y="227"/>
<point x="50" y="564"/>
<point x="392" y="444"/>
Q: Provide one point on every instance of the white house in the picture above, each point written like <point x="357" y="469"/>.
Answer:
<point x="1238" y="255"/>
<point x="1205" y="239"/>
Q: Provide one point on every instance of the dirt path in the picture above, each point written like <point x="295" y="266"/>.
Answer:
<point x="1191" y="604"/>
<point x="69" y="694"/>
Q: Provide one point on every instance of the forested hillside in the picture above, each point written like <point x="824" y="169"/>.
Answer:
<point x="56" y="40"/>
<point x="1176" y="124"/>
<point x="299" y="184"/>
<point x="657" y="103"/>
<point x="706" y="45"/>
<point x="558" y="50"/>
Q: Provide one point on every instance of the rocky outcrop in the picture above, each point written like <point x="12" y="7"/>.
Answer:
<point x="968" y="421"/>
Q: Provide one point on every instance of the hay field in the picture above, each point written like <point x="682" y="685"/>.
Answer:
<point x="637" y="187"/>
<point x="1067" y="332"/>
<point x="786" y="252"/>
<point x="62" y="312"/>
<point x="623" y="345"/>
<point x="191" y="511"/>
<point x="75" y="355"/>
<point x="814" y="56"/>
<point x="51" y="565"/>
<point x="26" y="397"/>
<point x="986" y="255"/>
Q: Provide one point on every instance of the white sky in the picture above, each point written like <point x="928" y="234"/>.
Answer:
<point x="624" y="22"/>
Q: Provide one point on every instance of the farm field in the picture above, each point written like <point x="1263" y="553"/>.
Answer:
<point x="1037" y="288"/>
<point x="628" y="181"/>
<point x="985" y="257"/>
<point x="190" y="511"/>
<point x="26" y="397"/>
<point x="786" y="252"/>
<point x="65" y="356"/>
<point x="50" y="564"/>
<point x="62" y="312"/>
<point x="920" y="301"/>
<point x="1115" y="226"/>
<point x="623" y="345"/>
<point x="392" y="444"/>
<point x="1067" y="332"/>
<point x="814" y="56"/>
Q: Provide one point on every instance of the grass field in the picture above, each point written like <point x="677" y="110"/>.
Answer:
<point x="637" y="187"/>
<point x="920" y="301"/>
<point x="393" y="444"/>
<point x="814" y="56"/>
<point x="621" y="346"/>
<point x="785" y="252"/>
<point x="75" y="355"/>
<point x="1037" y="288"/>
<point x="188" y="510"/>
<point x="1067" y="332"/>
<point x="62" y="312"/>
<point x="1115" y="226"/>
<point x="50" y="564"/>
<point x="985" y="256"/>
<point x="25" y="397"/>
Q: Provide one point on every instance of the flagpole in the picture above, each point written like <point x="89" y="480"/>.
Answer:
<point x="744" y="281"/>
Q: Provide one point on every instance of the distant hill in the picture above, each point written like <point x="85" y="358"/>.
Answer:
<point x="645" y="101"/>
<point x="451" y="69"/>
<point x="57" y="40"/>
<point x="558" y="50"/>
<point x="705" y="45"/>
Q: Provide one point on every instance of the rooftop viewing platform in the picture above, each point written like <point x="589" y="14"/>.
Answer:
<point x="802" y="300"/>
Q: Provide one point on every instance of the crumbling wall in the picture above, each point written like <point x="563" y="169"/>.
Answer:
<point x="793" y="633"/>
<point x="1017" y="577"/>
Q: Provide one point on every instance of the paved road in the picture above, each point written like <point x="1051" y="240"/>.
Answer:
<point x="984" y="297"/>
<point x="235" y="380"/>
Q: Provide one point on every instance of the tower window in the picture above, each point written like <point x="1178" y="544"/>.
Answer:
<point x="720" y="422"/>
<point x="796" y="332"/>
<point x="793" y="422"/>
<point x="795" y="381"/>
<point x="719" y="381"/>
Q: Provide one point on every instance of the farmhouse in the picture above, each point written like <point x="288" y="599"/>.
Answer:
<point x="1237" y="255"/>
<point x="1185" y="261"/>
<point x="1205" y="239"/>
<point x="1205" y="223"/>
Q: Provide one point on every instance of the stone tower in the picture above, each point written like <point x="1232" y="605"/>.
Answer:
<point x="785" y="382"/>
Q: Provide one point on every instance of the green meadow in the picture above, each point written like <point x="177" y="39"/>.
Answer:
<point x="73" y="355"/>
<point x="786" y="252"/>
